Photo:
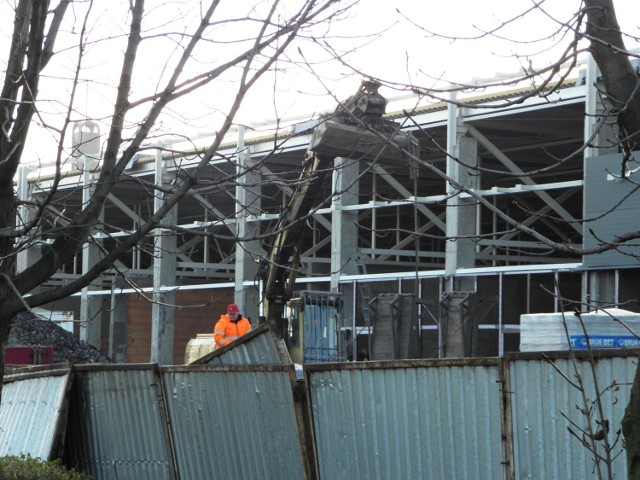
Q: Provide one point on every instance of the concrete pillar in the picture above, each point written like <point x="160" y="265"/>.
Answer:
<point x="462" y="213"/>
<point x="118" y="323"/>
<point x="164" y="275"/>
<point x="27" y="256"/>
<point x="248" y="252"/>
<point x="461" y="227"/>
<point x="90" y="305"/>
<point x="344" y="235"/>
<point x="600" y="289"/>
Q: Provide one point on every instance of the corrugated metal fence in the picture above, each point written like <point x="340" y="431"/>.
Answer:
<point x="468" y="419"/>
<point x="545" y="403"/>
<point x="450" y="419"/>
<point x="407" y="420"/>
<point x="118" y="425"/>
<point x="234" y="423"/>
<point x="32" y="414"/>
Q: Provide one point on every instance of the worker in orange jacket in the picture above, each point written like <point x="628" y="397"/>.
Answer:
<point x="230" y="327"/>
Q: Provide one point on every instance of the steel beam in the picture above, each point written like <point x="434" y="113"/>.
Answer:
<point x="510" y="164"/>
<point x="533" y="218"/>
<point x="386" y="176"/>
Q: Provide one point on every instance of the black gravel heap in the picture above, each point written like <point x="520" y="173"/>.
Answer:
<point x="29" y="330"/>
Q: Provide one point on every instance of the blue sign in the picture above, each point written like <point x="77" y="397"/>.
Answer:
<point x="579" y="342"/>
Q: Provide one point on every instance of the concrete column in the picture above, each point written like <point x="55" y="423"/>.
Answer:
<point x="90" y="305"/>
<point x="118" y="323"/>
<point x="27" y="256"/>
<point x="600" y="289"/>
<point x="344" y="235"/>
<point x="164" y="275"/>
<point x="461" y="226"/>
<point x="248" y="252"/>
<point x="462" y="213"/>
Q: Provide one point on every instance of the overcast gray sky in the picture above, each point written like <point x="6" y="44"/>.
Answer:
<point x="401" y="52"/>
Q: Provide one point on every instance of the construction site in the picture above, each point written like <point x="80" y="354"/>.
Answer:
<point x="400" y="275"/>
<point x="387" y="239"/>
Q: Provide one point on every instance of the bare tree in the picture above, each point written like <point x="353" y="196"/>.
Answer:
<point x="234" y="49"/>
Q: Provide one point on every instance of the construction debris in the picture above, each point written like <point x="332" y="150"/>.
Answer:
<point x="28" y="329"/>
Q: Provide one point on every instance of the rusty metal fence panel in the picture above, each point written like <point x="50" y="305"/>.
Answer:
<point x="32" y="414"/>
<point x="234" y="422"/>
<point x="407" y="419"/>
<point x="545" y="403"/>
<point x="118" y="426"/>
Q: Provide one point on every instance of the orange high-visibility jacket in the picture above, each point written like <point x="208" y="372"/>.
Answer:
<point x="227" y="331"/>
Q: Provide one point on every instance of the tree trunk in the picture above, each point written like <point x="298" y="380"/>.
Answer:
<point x="621" y="87"/>
<point x="7" y="221"/>
<point x="619" y="78"/>
<point x="8" y="296"/>
<point x="631" y="430"/>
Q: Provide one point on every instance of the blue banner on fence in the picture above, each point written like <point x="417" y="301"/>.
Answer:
<point x="579" y="342"/>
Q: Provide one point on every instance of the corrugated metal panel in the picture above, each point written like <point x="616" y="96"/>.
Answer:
<point x="31" y="414"/>
<point x="613" y="204"/>
<point x="118" y="425"/>
<point x="234" y="423"/>
<point x="543" y="446"/>
<point x="258" y="347"/>
<point x="437" y="421"/>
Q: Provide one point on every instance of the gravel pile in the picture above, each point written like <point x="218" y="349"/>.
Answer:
<point x="29" y="330"/>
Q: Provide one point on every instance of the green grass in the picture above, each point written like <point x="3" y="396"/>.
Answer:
<point x="26" y="468"/>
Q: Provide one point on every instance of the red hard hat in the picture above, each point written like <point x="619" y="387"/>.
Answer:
<point x="232" y="309"/>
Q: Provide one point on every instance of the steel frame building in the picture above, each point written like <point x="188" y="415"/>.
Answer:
<point x="363" y="240"/>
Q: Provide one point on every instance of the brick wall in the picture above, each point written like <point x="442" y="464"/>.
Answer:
<point x="197" y="313"/>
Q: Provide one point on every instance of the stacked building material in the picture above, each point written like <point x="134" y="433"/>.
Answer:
<point x="607" y="328"/>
